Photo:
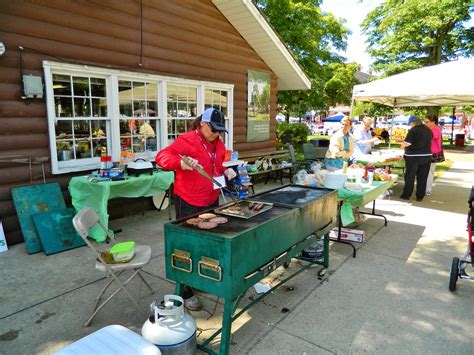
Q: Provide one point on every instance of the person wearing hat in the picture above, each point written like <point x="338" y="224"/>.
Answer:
<point x="194" y="193"/>
<point x="417" y="145"/>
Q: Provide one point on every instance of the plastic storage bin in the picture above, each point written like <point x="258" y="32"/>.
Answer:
<point x="123" y="251"/>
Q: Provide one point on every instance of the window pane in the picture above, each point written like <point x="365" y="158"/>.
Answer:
<point x="172" y="108"/>
<point x="99" y="107"/>
<point x="192" y="95"/>
<point x="80" y="86"/>
<point x="97" y="145"/>
<point x="61" y="84"/>
<point x="63" y="129"/>
<point x="183" y="110"/>
<point x="126" y="107"/>
<point x="63" y="106"/>
<point x="128" y="126"/>
<point x="152" y="110"/>
<point x="98" y="87"/>
<point x="81" y="129"/>
<point x="82" y="107"/>
<point x="83" y="149"/>
<point x="139" y="108"/>
<point x="64" y="150"/>
<point x="151" y="91"/>
<point x="139" y="91"/>
<point x="125" y="89"/>
<point x="98" y="128"/>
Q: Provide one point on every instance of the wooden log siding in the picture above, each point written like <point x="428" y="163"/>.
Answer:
<point x="186" y="38"/>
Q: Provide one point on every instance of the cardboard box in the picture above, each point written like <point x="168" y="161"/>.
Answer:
<point x="350" y="235"/>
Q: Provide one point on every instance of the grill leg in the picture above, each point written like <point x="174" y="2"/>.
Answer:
<point x="226" y="327"/>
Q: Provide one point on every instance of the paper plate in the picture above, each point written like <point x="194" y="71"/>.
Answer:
<point x="158" y="198"/>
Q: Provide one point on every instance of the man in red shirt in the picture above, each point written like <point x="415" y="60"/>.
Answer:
<point x="194" y="193"/>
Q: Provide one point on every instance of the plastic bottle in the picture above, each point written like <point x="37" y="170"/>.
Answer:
<point x="103" y="159"/>
<point x="344" y="167"/>
<point x="370" y="176"/>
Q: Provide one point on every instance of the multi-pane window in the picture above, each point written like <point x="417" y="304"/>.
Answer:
<point x="91" y="108"/>
<point x="80" y="107"/>
<point x="139" y="128"/>
<point x="181" y="109"/>
<point x="218" y="99"/>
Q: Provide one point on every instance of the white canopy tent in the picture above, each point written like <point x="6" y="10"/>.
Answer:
<point x="447" y="84"/>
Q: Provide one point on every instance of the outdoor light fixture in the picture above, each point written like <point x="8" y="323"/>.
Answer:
<point x="2" y="48"/>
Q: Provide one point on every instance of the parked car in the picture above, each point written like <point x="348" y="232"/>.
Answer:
<point x="280" y="117"/>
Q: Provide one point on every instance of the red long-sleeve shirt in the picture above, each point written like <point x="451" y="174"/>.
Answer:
<point x="189" y="184"/>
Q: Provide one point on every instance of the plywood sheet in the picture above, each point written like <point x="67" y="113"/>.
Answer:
<point x="33" y="199"/>
<point x="56" y="231"/>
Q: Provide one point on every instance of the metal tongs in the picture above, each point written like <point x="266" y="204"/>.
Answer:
<point x="203" y="172"/>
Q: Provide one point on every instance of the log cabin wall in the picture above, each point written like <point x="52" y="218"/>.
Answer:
<point x="185" y="38"/>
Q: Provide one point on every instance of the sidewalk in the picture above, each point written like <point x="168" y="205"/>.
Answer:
<point x="392" y="298"/>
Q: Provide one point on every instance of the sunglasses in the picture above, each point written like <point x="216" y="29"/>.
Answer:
<point x="212" y="128"/>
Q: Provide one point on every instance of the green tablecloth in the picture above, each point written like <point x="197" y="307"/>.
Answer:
<point x="361" y="198"/>
<point x="95" y="194"/>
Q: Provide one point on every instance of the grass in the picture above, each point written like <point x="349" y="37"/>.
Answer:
<point x="441" y="168"/>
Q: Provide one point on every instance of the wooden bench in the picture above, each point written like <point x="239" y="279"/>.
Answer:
<point x="274" y="156"/>
<point x="251" y="157"/>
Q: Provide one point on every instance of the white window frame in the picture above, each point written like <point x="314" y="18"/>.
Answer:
<point x="112" y="77"/>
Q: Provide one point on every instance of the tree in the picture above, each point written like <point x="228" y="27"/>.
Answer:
<point x="409" y="34"/>
<point x="339" y="88"/>
<point x="313" y="37"/>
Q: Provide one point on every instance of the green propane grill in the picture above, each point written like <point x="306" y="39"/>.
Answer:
<point x="229" y="259"/>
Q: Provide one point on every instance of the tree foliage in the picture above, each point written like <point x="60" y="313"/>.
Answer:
<point x="409" y="34"/>
<point x="313" y="37"/>
<point x="339" y="88"/>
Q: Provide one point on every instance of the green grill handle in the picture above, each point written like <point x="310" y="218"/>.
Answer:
<point x="184" y="257"/>
<point x="211" y="264"/>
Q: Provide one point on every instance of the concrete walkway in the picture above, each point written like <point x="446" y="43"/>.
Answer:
<point x="392" y="298"/>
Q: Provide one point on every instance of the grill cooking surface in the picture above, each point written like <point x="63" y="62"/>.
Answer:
<point x="237" y="225"/>
<point x="245" y="209"/>
<point x="293" y="195"/>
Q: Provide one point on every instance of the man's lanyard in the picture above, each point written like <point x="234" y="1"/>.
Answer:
<point x="212" y="155"/>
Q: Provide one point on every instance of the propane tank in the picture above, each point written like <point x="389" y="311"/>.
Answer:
<point x="170" y="329"/>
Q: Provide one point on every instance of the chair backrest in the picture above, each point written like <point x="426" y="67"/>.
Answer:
<point x="85" y="220"/>
<point x="308" y="151"/>
<point x="292" y="152"/>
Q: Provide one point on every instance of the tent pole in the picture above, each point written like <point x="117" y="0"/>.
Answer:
<point x="352" y="105"/>
<point x="391" y="126"/>
<point x="452" y="125"/>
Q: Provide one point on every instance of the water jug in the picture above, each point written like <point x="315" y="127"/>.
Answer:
<point x="170" y="329"/>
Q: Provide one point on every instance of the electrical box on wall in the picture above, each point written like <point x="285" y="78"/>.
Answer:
<point x="32" y="87"/>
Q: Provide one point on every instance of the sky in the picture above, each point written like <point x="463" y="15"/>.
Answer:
<point x="354" y="13"/>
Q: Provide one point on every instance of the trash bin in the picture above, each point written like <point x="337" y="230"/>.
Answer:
<point x="319" y="142"/>
<point x="459" y="141"/>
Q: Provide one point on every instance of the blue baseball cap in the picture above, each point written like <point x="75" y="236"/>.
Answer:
<point x="215" y="118"/>
<point x="412" y="119"/>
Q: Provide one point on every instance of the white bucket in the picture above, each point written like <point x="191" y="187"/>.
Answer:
<point x="334" y="180"/>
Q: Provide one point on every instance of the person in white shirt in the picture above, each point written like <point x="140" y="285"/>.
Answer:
<point x="364" y="142"/>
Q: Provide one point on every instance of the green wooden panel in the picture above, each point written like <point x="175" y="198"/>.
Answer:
<point x="56" y="231"/>
<point x="34" y="199"/>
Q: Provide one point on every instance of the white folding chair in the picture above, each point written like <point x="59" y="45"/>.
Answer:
<point x="83" y="221"/>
